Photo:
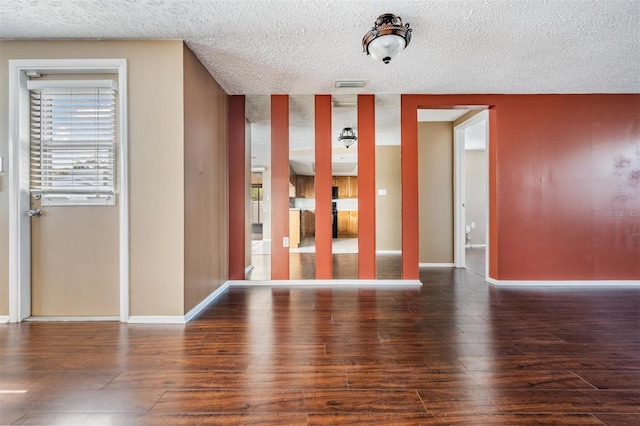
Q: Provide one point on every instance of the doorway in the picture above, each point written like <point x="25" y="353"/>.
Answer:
<point x="23" y="206"/>
<point x="453" y="187"/>
<point x="471" y="137"/>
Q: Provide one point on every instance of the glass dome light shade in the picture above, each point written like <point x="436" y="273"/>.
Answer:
<point x="386" y="47"/>
<point x="347" y="137"/>
<point x="388" y="37"/>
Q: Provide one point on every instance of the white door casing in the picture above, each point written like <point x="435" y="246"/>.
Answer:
<point x="459" y="190"/>
<point x="19" y="196"/>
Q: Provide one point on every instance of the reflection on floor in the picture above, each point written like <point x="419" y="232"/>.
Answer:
<point x="345" y="265"/>
<point x="302" y="260"/>
<point x="261" y="267"/>
<point x="302" y="266"/>
<point x="475" y="260"/>
<point x="308" y="245"/>
<point x="261" y="247"/>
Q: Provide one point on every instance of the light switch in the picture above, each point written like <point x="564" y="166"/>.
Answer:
<point x="382" y="192"/>
<point x="285" y="241"/>
<point x="473" y="224"/>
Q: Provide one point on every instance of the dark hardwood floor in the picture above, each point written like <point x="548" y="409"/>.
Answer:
<point x="455" y="351"/>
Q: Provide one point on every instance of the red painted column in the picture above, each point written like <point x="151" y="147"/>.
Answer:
<point x="324" y="256"/>
<point x="366" y="187"/>
<point x="409" y="161"/>
<point x="493" y="194"/>
<point x="279" y="186"/>
<point x="237" y="193"/>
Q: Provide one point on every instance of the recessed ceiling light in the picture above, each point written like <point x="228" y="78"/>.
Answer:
<point x="350" y="83"/>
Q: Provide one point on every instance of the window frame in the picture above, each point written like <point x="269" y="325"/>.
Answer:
<point x="74" y="196"/>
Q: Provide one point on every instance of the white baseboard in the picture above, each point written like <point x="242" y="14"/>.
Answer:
<point x="4" y="319"/>
<point x="437" y="265"/>
<point x="475" y="245"/>
<point x="564" y="283"/>
<point x="328" y="283"/>
<point x="71" y="319"/>
<point x="248" y="269"/>
<point x="156" y="319"/>
<point x="388" y="251"/>
<point x="202" y="305"/>
<point x="179" y="319"/>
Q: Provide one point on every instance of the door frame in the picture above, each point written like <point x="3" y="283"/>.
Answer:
<point x="19" y="197"/>
<point x="459" y="190"/>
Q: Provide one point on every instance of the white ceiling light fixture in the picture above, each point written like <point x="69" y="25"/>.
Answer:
<point x="347" y="137"/>
<point x="387" y="38"/>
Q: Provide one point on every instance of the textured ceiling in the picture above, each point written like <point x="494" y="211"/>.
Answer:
<point x="300" y="47"/>
<point x="303" y="46"/>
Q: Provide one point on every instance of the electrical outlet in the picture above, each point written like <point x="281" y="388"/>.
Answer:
<point x="285" y="241"/>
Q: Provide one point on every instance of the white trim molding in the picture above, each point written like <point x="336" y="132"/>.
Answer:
<point x="4" y="319"/>
<point x="206" y="302"/>
<point x="459" y="190"/>
<point x="178" y="319"/>
<point x="72" y="319"/>
<point x="156" y="319"/>
<point x="328" y="283"/>
<point x="564" y="283"/>
<point x="388" y="251"/>
<point x="19" y="223"/>
<point x="437" y="265"/>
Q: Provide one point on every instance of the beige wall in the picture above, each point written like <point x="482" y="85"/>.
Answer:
<point x="388" y="207"/>
<point x="475" y="164"/>
<point x="435" y="181"/>
<point x="206" y="203"/>
<point x="155" y="94"/>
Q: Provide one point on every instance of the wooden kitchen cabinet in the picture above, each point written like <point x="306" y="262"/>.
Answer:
<point x="353" y="187"/>
<point x="347" y="224"/>
<point x="308" y="223"/>
<point x="353" y="223"/>
<point x="294" y="228"/>
<point x="305" y="187"/>
<point x="347" y="186"/>
<point x="343" y="224"/>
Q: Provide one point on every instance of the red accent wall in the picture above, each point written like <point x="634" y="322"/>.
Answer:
<point x="279" y="186"/>
<point x="564" y="184"/>
<point x="366" y="187"/>
<point x="409" y="179"/>
<point x="324" y="257"/>
<point x="237" y="184"/>
<point x="492" y="232"/>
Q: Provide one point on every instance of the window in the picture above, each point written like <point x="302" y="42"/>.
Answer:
<point x="73" y="142"/>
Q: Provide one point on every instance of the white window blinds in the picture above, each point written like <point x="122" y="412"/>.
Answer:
<point x="73" y="142"/>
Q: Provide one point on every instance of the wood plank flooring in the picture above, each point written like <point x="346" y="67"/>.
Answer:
<point x="454" y="352"/>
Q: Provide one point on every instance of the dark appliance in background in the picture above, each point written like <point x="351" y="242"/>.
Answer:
<point x="334" y="212"/>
